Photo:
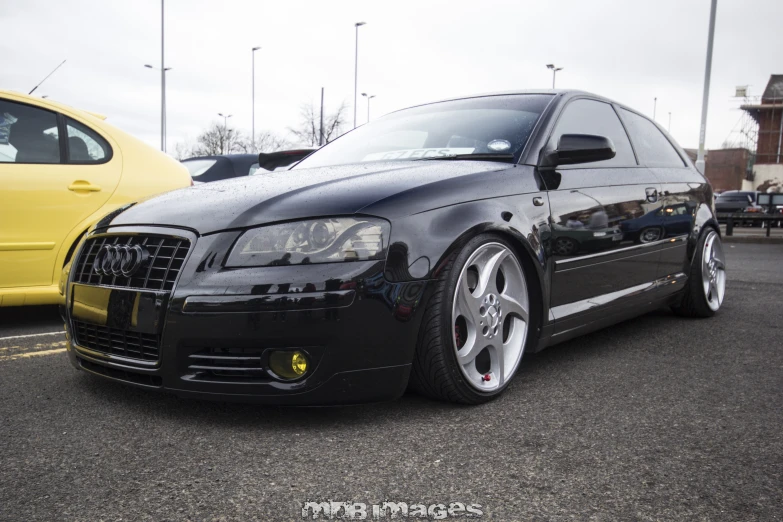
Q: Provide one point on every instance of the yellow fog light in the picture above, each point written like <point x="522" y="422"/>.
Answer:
<point x="289" y="365"/>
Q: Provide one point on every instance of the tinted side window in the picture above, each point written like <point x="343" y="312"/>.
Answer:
<point x="197" y="167"/>
<point x="653" y="148"/>
<point x="599" y="119"/>
<point x="28" y="134"/>
<point x="85" y="145"/>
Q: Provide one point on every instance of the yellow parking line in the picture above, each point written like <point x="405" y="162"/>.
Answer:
<point x="30" y="335"/>
<point x="33" y="347"/>
<point x="30" y="354"/>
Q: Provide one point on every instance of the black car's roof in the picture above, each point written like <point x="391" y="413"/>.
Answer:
<point x="566" y="93"/>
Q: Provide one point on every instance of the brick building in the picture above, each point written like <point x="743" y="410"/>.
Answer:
<point x="768" y="169"/>
<point x="726" y="169"/>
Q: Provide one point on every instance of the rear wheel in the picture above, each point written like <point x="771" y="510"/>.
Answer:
<point x="565" y="246"/>
<point x="476" y="325"/>
<point x="706" y="286"/>
<point x="649" y="235"/>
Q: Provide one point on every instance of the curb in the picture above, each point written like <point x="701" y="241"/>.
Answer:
<point x="752" y="239"/>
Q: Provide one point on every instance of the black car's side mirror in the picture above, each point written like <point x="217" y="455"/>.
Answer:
<point x="578" y="148"/>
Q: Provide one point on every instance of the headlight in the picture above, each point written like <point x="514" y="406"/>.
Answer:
<point x="328" y="240"/>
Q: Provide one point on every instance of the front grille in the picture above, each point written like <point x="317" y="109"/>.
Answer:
<point x="167" y="255"/>
<point x="114" y="341"/>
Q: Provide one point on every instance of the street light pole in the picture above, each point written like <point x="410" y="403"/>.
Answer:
<point x="162" y="79"/>
<point x="706" y="96"/>
<point x="655" y="106"/>
<point x="254" y="96"/>
<point x="225" y="119"/>
<point x="554" y="72"/>
<point x="321" y="126"/>
<point x="669" y="128"/>
<point x="369" y="97"/>
<point x="225" y="132"/>
<point x="357" y="25"/>
<point x="162" y="104"/>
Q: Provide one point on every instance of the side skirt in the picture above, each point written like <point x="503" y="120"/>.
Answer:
<point x="595" y="313"/>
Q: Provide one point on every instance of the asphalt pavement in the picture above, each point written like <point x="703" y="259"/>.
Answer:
<point x="658" y="418"/>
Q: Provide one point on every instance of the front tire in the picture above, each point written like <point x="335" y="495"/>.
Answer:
<point x="706" y="286"/>
<point x="476" y="325"/>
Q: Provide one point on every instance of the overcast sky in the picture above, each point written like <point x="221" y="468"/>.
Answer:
<point x="409" y="52"/>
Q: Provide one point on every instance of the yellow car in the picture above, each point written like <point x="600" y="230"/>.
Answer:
<point x="61" y="170"/>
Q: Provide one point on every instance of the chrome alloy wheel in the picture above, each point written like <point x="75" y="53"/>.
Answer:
<point x="713" y="271"/>
<point x="490" y="317"/>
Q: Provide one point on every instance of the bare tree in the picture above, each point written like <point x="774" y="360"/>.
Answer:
<point x="308" y="131"/>
<point x="217" y="139"/>
<point x="183" y="150"/>
<point x="266" y="141"/>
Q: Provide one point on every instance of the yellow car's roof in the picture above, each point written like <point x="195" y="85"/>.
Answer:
<point x="46" y="102"/>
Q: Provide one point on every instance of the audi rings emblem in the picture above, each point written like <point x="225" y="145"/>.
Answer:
<point x="119" y="260"/>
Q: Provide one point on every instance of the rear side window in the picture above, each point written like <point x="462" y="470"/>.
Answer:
<point x="199" y="166"/>
<point x="28" y="134"/>
<point x="652" y="147"/>
<point x="85" y="145"/>
<point x="599" y="119"/>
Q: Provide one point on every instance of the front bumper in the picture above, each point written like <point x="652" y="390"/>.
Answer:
<point x="358" y="330"/>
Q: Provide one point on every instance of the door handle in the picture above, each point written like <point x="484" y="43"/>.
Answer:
<point x="83" y="185"/>
<point x="652" y="194"/>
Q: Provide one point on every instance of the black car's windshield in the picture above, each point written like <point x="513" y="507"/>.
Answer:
<point x="482" y="126"/>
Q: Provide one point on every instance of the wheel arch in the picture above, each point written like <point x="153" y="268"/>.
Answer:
<point x="424" y="244"/>
<point x="539" y="302"/>
<point x="72" y="249"/>
<point x="524" y="251"/>
<point x="699" y="229"/>
<point x="528" y="258"/>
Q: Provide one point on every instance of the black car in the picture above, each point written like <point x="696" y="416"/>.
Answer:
<point x="215" y="168"/>
<point x="281" y="160"/>
<point x="418" y="251"/>
<point x="733" y="201"/>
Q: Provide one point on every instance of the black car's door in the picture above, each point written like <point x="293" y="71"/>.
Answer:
<point x="598" y="258"/>
<point x="684" y="192"/>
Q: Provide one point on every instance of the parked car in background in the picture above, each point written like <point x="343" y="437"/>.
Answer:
<point x="61" y="170"/>
<point x="282" y="160"/>
<point x="669" y="221"/>
<point x="419" y="249"/>
<point x="214" y="168"/>
<point x="733" y="201"/>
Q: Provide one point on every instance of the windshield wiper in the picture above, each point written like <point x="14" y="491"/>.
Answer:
<point x="506" y="158"/>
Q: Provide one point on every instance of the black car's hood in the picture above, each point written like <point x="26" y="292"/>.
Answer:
<point x="301" y="193"/>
